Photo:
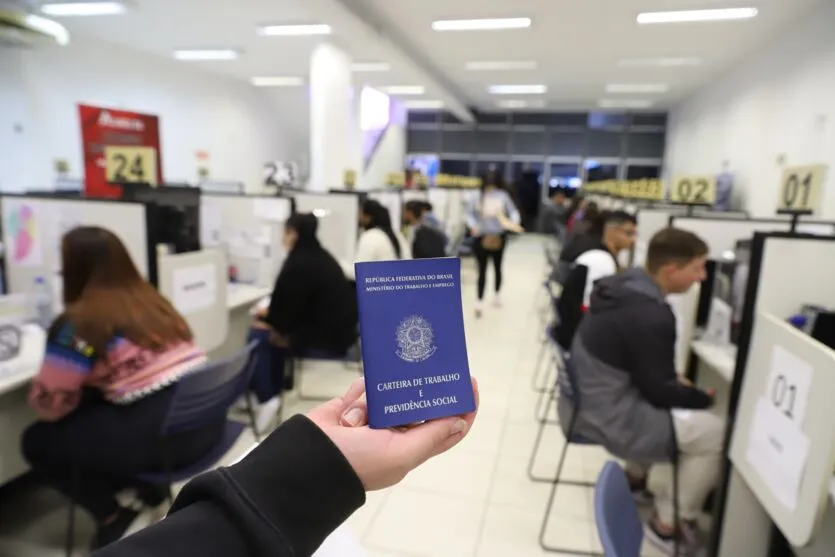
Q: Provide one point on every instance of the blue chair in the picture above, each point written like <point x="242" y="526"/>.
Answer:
<point x="201" y="398"/>
<point x="618" y="524"/>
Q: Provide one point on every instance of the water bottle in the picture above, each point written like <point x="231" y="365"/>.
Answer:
<point x="42" y="302"/>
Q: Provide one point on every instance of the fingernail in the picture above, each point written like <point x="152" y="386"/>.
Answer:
<point x="458" y="427"/>
<point x="353" y="417"/>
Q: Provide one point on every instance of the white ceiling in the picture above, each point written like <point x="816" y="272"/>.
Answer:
<point x="577" y="43"/>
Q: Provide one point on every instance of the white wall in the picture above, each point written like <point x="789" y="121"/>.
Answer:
<point x="779" y="102"/>
<point x="390" y="155"/>
<point x="239" y="126"/>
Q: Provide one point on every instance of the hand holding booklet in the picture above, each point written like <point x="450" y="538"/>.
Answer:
<point x="413" y="344"/>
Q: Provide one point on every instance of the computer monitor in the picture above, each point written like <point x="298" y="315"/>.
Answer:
<point x="172" y="219"/>
<point x="726" y="282"/>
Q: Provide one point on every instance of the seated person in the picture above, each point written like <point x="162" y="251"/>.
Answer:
<point x="105" y="385"/>
<point x="633" y="402"/>
<point x="429" y="217"/>
<point x="379" y="241"/>
<point x="594" y="259"/>
<point x="313" y="308"/>
<point x="427" y="241"/>
<point x="552" y="215"/>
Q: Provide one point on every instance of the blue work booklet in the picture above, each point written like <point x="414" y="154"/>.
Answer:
<point x="413" y="346"/>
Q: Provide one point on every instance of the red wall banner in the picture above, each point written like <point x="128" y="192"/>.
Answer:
<point x="101" y="127"/>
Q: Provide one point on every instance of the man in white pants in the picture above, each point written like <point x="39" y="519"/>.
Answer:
<point x="632" y="401"/>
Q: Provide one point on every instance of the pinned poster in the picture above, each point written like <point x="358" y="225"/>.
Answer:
<point x="23" y="232"/>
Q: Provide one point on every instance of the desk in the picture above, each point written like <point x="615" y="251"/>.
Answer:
<point x="15" y="414"/>
<point x="720" y="358"/>
<point x="239" y="299"/>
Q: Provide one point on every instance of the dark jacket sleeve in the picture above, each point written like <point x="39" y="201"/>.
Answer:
<point x="282" y="500"/>
<point x="651" y="362"/>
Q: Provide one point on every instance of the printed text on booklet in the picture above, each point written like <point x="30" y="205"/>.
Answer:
<point x="413" y="344"/>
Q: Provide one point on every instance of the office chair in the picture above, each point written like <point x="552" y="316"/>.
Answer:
<point x="352" y="358"/>
<point x="616" y="513"/>
<point x="201" y="398"/>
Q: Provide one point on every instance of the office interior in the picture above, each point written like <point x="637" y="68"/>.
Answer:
<point x="256" y="121"/>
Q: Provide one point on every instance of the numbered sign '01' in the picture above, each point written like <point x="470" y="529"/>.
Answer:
<point x="801" y="189"/>
<point x="694" y="190"/>
<point x="130" y="165"/>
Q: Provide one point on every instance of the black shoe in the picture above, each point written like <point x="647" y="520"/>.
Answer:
<point x="113" y="531"/>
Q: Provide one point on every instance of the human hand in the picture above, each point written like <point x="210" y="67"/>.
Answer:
<point x="383" y="457"/>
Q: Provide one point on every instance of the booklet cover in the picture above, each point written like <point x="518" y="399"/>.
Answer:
<point x="413" y="346"/>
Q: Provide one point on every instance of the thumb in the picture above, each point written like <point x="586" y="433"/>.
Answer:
<point x="430" y="439"/>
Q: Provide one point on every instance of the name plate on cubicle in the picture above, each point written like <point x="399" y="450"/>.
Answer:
<point x="694" y="190"/>
<point x="801" y="189"/>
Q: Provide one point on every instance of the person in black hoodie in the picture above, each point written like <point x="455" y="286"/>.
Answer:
<point x="286" y="496"/>
<point x="587" y="259"/>
<point x="427" y="241"/>
<point x="633" y="402"/>
<point x="313" y="306"/>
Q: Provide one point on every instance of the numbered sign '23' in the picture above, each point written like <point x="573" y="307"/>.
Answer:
<point x="130" y="165"/>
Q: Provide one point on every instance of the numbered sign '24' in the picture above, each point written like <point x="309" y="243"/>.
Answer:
<point x="694" y="190"/>
<point x="801" y="189"/>
<point x="130" y="165"/>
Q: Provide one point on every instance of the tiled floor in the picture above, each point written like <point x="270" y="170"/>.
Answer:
<point x="476" y="500"/>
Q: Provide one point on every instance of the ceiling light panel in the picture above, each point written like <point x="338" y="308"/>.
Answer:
<point x="404" y="89"/>
<point x="690" y="16"/>
<point x="517" y="89"/>
<point x="294" y="30"/>
<point x="371" y="67"/>
<point x="209" y="54"/>
<point x="277" y="81"/>
<point x="424" y="105"/>
<point x="661" y="62"/>
<point x="637" y="88"/>
<point x="497" y="66"/>
<point x="625" y="103"/>
<point x="482" y="24"/>
<point x="81" y="9"/>
<point x="512" y="104"/>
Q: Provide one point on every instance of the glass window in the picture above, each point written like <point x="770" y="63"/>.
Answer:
<point x="422" y="141"/>
<point x="423" y="116"/>
<point x="528" y="143"/>
<point x="649" y="119"/>
<point x="491" y="142"/>
<point x="450" y="118"/>
<point x="607" y="119"/>
<point x="457" y="141"/>
<point x="483" y="167"/>
<point x="595" y="171"/>
<point x="605" y="144"/>
<point x="563" y="175"/>
<point x="638" y="172"/>
<point x="646" y="145"/>
<point x="564" y="144"/>
<point x="491" y="117"/>
<point x="456" y="167"/>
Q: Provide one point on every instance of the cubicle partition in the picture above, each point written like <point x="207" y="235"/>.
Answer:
<point x="33" y="227"/>
<point x="781" y="420"/>
<point x="338" y="215"/>
<point x="249" y="229"/>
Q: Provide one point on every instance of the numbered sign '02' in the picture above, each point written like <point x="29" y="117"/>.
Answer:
<point x="694" y="190"/>
<point x="801" y="189"/>
<point x="130" y="165"/>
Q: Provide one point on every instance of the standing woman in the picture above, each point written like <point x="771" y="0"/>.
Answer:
<point x="379" y="240"/>
<point x="489" y="221"/>
<point x="112" y="361"/>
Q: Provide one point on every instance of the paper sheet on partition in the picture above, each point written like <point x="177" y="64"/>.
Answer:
<point x="789" y="383"/>
<point x="211" y="224"/>
<point x="195" y="288"/>
<point x="777" y="450"/>
<point x="273" y="210"/>
<point x="24" y="226"/>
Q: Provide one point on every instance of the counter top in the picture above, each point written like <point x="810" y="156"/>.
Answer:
<point x="239" y="295"/>
<point x="721" y="357"/>
<point x="19" y="371"/>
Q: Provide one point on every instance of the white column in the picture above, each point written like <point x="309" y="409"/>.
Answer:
<point x="334" y="122"/>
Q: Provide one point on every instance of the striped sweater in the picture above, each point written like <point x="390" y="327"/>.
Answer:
<point x="124" y="374"/>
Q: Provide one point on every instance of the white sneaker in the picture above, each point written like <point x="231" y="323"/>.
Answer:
<point x="266" y="413"/>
